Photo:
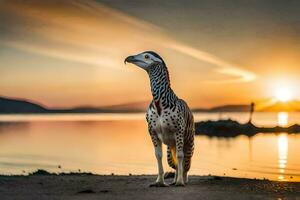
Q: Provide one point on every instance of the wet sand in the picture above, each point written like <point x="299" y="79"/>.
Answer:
<point x="80" y="186"/>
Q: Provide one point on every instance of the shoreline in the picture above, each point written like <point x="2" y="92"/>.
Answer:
<point x="90" y="186"/>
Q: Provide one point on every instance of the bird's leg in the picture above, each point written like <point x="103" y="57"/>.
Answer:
<point x="180" y="181"/>
<point x="174" y="162"/>
<point x="160" y="182"/>
<point x="185" y="177"/>
<point x="180" y="157"/>
<point x="175" y="177"/>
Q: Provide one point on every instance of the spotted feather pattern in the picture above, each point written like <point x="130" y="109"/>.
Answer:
<point x="169" y="118"/>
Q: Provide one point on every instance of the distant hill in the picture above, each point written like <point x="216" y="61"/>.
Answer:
<point x="19" y="106"/>
<point x="10" y="105"/>
<point x="135" y="106"/>
<point x="230" y="108"/>
<point x="283" y="107"/>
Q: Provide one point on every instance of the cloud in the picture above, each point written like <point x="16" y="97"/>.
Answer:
<point x="91" y="33"/>
<point x="223" y="66"/>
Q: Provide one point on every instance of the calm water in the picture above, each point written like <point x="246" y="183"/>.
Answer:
<point x="119" y="143"/>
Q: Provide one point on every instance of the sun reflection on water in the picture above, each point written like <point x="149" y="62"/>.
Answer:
<point x="282" y="118"/>
<point x="282" y="155"/>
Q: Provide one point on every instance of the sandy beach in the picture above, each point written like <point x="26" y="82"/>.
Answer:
<point x="82" y="186"/>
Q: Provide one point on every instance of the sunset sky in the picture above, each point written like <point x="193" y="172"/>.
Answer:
<point x="71" y="53"/>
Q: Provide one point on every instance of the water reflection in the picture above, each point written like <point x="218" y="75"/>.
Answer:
<point x="250" y="148"/>
<point x="13" y="125"/>
<point x="105" y="144"/>
<point x="282" y="155"/>
<point x="283" y="118"/>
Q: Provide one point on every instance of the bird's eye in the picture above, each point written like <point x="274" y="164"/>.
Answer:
<point x="146" y="56"/>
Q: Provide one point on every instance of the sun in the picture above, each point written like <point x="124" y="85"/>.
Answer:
<point x="283" y="94"/>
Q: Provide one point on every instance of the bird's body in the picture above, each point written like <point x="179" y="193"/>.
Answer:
<point x="170" y="120"/>
<point x="171" y="125"/>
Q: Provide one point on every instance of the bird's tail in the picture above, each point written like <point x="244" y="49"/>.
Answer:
<point x="188" y="148"/>
<point x="189" y="142"/>
<point x="188" y="153"/>
<point x="171" y="156"/>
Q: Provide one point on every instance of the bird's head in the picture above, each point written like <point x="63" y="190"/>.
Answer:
<point x="145" y="59"/>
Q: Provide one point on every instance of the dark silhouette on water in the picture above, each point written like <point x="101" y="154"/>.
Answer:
<point x="231" y="128"/>
<point x="252" y="108"/>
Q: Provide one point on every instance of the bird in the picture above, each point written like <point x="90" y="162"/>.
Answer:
<point x="170" y="120"/>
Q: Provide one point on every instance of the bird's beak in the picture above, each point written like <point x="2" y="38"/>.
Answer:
<point x="129" y="59"/>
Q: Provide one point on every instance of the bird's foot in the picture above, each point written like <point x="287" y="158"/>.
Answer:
<point x="179" y="183"/>
<point x="173" y="183"/>
<point x="158" y="184"/>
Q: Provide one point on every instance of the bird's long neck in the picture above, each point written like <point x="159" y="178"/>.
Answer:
<point x="163" y="95"/>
